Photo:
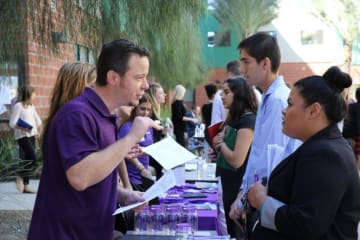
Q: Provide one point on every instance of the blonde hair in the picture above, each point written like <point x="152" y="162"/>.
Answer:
<point x="179" y="92"/>
<point x="70" y="83"/>
<point x="155" y="105"/>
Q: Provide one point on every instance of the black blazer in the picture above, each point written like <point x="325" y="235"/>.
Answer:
<point x="319" y="183"/>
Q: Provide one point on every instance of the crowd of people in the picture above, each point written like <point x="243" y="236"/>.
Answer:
<point x="288" y="168"/>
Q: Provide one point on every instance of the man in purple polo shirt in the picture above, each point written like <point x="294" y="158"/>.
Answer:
<point x="78" y="187"/>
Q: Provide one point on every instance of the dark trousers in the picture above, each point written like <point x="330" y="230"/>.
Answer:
<point x="28" y="157"/>
<point x="231" y="182"/>
<point x="180" y="137"/>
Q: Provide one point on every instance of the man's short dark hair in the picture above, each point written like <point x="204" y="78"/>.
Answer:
<point x="357" y="94"/>
<point x="233" y="67"/>
<point x="262" y="45"/>
<point x="115" y="56"/>
<point x="210" y="89"/>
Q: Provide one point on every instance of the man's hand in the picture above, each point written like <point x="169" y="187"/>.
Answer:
<point x="127" y="197"/>
<point x="146" y="173"/>
<point x="135" y="151"/>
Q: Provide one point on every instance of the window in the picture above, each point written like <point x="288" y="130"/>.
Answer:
<point x="84" y="54"/>
<point x="311" y="37"/>
<point x="9" y="83"/>
<point x="219" y="40"/>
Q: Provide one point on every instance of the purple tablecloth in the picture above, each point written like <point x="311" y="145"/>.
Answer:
<point x="207" y="219"/>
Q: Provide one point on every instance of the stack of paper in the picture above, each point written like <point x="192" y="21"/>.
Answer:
<point x="170" y="155"/>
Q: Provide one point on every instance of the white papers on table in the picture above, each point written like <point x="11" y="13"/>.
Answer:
<point x="169" y="153"/>
<point x="167" y="181"/>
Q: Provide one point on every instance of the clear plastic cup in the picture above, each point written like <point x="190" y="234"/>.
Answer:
<point x="173" y="213"/>
<point x="183" y="231"/>
<point x="189" y="215"/>
<point x="158" y="219"/>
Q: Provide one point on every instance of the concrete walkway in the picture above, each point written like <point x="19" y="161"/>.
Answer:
<point x="12" y="199"/>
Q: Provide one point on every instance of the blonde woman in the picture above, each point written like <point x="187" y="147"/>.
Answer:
<point x="26" y="123"/>
<point x="178" y="114"/>
<point x="70" y="83"/>
<point x="157" y="97"/>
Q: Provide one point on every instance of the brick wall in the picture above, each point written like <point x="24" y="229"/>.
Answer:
<point x="291" y="72"/>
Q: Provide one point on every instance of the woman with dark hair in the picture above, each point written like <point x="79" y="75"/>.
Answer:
<point x="315" y="192"/>
<point x="26" y="123"/>
<point x="233" y="142"/>
<point x="352" y="127"/>
<point x="138" y="167"/>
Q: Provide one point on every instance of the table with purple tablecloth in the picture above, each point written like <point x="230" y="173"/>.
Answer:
<point x="205" y="200"/>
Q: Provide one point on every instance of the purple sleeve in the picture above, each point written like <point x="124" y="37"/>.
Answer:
<point x="76" y="138"/>
<point x="124" y="129"/>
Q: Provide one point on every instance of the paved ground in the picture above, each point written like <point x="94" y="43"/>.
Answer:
<point x="15" y="211"/>
<point x="12" y="199"/>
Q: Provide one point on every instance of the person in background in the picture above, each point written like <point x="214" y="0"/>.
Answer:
<point x="191" y="126"/>
<point x="78" y="190"/>
<point x="351" y="129"/>
<point x="24" y="111"/>
<point x="157" y="97"/>
<point x="138" y="167"/>
<point x="260" y="61"/>
<point x="178" y="115"/>
<point x="70" y="83"/>
<point x="206" y="109"/>
<point x="218" y="113"/>
<point x="233" y="142"/>
<point x="314" y="192"/>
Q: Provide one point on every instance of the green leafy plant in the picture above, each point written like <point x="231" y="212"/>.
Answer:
<point x="9" y="158"/>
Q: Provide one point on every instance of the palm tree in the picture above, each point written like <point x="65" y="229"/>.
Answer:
<point x="243" y="17"/>
<point x="343" y="16"/>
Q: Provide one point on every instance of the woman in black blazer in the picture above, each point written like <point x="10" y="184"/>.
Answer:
<point x="315" y="192"/>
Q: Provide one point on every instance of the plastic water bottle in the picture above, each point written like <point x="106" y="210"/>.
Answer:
<point x="168" y="127"/>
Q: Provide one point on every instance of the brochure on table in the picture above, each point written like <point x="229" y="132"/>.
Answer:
<point x="169" y="154"/>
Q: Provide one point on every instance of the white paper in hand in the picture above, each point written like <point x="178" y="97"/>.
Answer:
<point x="169" y="153"/>
<point x="167" y="181"/>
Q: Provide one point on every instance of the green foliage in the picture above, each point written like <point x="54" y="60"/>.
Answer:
<point x="244" y="17"/>
<point x="170" y="29"/>
<point x="9" y="158"/>
<point x="343" y="16"/>
<point x="166" y="113"/>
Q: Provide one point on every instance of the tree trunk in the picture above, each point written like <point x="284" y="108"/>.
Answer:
<point x="347" y="55"/>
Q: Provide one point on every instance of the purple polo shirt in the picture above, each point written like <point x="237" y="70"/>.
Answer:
<point x="81" y="127"/>
<point x="133" y="172"/>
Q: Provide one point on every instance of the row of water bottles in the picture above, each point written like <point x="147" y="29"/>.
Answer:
<point x="165" y="219"/>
